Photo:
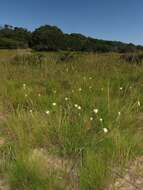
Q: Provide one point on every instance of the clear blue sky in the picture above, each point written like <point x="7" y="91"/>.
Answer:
<point x="105" y="19"/>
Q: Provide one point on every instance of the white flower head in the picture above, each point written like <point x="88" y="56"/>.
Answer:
<point x="80" y="89"/>
<point x="79" y="107"/>
<point x="47" y="112"/>
<point x="66" y="98"/>
<point x="121" y="88"/>
<point x="91" y="118"/>
<point x="139" y="104"/>
<point x="30" y="111"/>
<point x="119" y="113"/>
<point x="101" y="120"/>
<point x="75" y="105"/>
<point x="105" y="130"/>
<point x="95" y="111"/>
<point x="24" y="85"/>
<point x="54" y="104"/>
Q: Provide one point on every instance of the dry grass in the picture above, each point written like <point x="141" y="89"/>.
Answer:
<point x="82" y="113"/>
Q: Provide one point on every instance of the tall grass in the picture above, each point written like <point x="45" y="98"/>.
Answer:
<point x="82" y="113"/>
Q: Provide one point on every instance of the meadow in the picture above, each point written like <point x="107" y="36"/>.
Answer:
<point x="68" y="120"/>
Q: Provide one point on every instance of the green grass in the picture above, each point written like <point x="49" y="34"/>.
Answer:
<point x="70" y="130"/>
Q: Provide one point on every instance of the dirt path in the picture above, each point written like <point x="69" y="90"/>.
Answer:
<point x="2" y="116"/>
<point x="3" y="185"/>
<point x="132" y="179"/>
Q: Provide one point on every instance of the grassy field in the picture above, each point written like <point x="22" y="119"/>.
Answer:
<point x="68" y="123"/>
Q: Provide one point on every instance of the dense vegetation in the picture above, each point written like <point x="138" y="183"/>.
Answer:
<point x="67" y="122"/>
<point x="51" y="38"/>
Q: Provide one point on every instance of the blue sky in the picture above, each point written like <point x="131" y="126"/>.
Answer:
<point x="120" y="20"/>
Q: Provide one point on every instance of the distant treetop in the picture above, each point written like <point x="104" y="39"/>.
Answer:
<point x="51" y="38"/>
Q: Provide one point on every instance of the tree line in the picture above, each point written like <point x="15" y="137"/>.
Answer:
<point x="51" y="38"/>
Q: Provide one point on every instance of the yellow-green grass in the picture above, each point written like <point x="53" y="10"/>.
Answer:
<point x="85" y="111"/>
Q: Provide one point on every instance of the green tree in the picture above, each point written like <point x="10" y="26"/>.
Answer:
<point x="12" y="38"/>
<point x="48" y="38"/>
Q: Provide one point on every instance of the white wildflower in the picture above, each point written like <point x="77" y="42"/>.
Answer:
<point x="54" y="104"/>
<point x="66" y="98"/>
<point x="91" y="118"/>
<point x="100" y="119"/>
<point x="139" y="104"/>
<point x="105" y="130"/>
<point x="79" y="108"/>
<point x="121" y="88"/>
<point x="75" y="105"/>
<point x="47" y="112"/>
<point x="24" y="86"/>
<point x="119" y="113"/>
<point x="95" y="111"/>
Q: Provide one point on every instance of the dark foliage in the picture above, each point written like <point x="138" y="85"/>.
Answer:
<point x="132" y="58"/>
<point x="51" y="38"/>
<point x="47" y="38"/>
<point x="66" y="56"/>
<point x="29" y="59"/>
<point x="14" y="37"/>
